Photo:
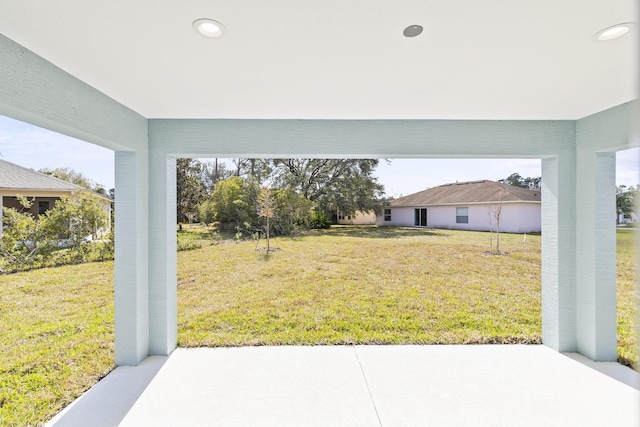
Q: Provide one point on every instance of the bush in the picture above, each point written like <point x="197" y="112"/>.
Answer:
<point x="319" y="220"/>
<point x="60" y="236"/>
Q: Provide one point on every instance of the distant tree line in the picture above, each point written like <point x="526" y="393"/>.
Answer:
<point x="77" y="178"/>
<point x="626" y="197"/>
<point x="305" y="192"/>
<point x="518" y="181"/>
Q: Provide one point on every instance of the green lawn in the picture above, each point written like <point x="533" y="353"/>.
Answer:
<point x="628" y="298"/>
<point x="343" y="285"/>
<point x="362" y="285"/>
<point x="56" y="338"/>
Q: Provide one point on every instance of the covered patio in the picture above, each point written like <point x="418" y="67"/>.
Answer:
<point x="290" y="79"/>
<point x="362" y="386"/>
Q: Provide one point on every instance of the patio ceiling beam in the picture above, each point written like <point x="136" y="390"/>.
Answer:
<point x="35" y="91"/>
<point x="362" y="138"/>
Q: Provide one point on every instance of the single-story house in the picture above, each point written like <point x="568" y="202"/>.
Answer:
<point x="471" y="205"/>
<point x="44" y="190"/>
<point x="357" y="218"/>
<point x="630" y="218"/>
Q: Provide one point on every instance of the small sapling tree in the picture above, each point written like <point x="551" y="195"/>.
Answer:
<point x="267" y="210"/>
<point x="495" y="212"/>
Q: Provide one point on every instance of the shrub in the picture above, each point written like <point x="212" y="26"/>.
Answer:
<point x="60" y="236"/>
<point x="319" y="220"/>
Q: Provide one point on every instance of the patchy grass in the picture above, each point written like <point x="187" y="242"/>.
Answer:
<point x="362" y="285"/>
<point x="56" y="338"/>
<point x="628" y="298"/>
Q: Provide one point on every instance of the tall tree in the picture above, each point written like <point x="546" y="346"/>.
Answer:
<point x="257" y="169"/>
<point x="625" y="200"/>
<point x="213" y="171"/>
<point x="232" y="201"/>
<point x="346" y="185"/>
<point x="189" y="189"/>
<point x="532" y="183"/>
<point x="74" y="177"/>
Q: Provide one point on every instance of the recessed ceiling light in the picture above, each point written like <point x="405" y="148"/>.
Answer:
<point x="614" y="31"/>
<point x="208" y="28"/>
<point x="412" y="31"/>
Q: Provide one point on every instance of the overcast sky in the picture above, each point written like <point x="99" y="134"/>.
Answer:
<point x="38" y="148"/>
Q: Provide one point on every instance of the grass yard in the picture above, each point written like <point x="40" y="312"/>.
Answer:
<point x="343" y="285"/>
<point x="362" y="285"/>
<point x="56" y="338"/>
<point x="628" y="298"/>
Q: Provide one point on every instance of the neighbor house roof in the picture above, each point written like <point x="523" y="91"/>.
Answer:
<point x="14" y="177"/>
<point x="484" y="191"/>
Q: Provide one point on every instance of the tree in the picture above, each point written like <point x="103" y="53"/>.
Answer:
<point x="625" y="200"/>
<point x="74" y="177"/>
<point x="77" y="217"/>
<point x="495" y="212"/>
<point x="267" y="210"/>
<point x="189" y="189"/>
<point x="29" y="239"/>
<point x="347" y="185"/>
<point x="257" y="169"/>
<point x="233" y="201"/>
<point x="212" y="172"/>
<point x="518" y="181"/>
<point x="25" y="239"/>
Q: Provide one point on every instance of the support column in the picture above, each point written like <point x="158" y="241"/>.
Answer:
<point x="131" y="265"/>
<point x="1" y="214"/>
<point x="558" y="253"/>
<point x="163" y="321"/>
<point x="596" y="255"/>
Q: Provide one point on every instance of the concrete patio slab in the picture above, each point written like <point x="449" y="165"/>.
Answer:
<point x="493" y="386"/>
<point x="268" y="386"/>
<point x="362" y="386"/>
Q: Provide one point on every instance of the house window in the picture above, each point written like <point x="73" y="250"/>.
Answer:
<point x="43" y="207"/>
<point x="462" y="215"/>
<point x="420" y="217"/>
<point x="387" y="214"/>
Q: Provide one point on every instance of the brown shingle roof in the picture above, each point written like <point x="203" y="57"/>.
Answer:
<point x="14" y="177"/>
<point x="484" y="191"/>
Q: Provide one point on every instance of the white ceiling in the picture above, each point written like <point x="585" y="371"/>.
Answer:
<point x="476" y="59"/>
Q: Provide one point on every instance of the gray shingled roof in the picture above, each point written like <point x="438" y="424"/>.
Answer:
<point x="468" y="192"/>
<point x="14" y="177"/>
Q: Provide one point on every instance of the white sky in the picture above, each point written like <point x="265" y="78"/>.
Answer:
<point x="38" y="148"/>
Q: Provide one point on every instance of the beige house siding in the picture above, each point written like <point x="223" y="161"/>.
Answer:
<point x="359" y="218"/>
